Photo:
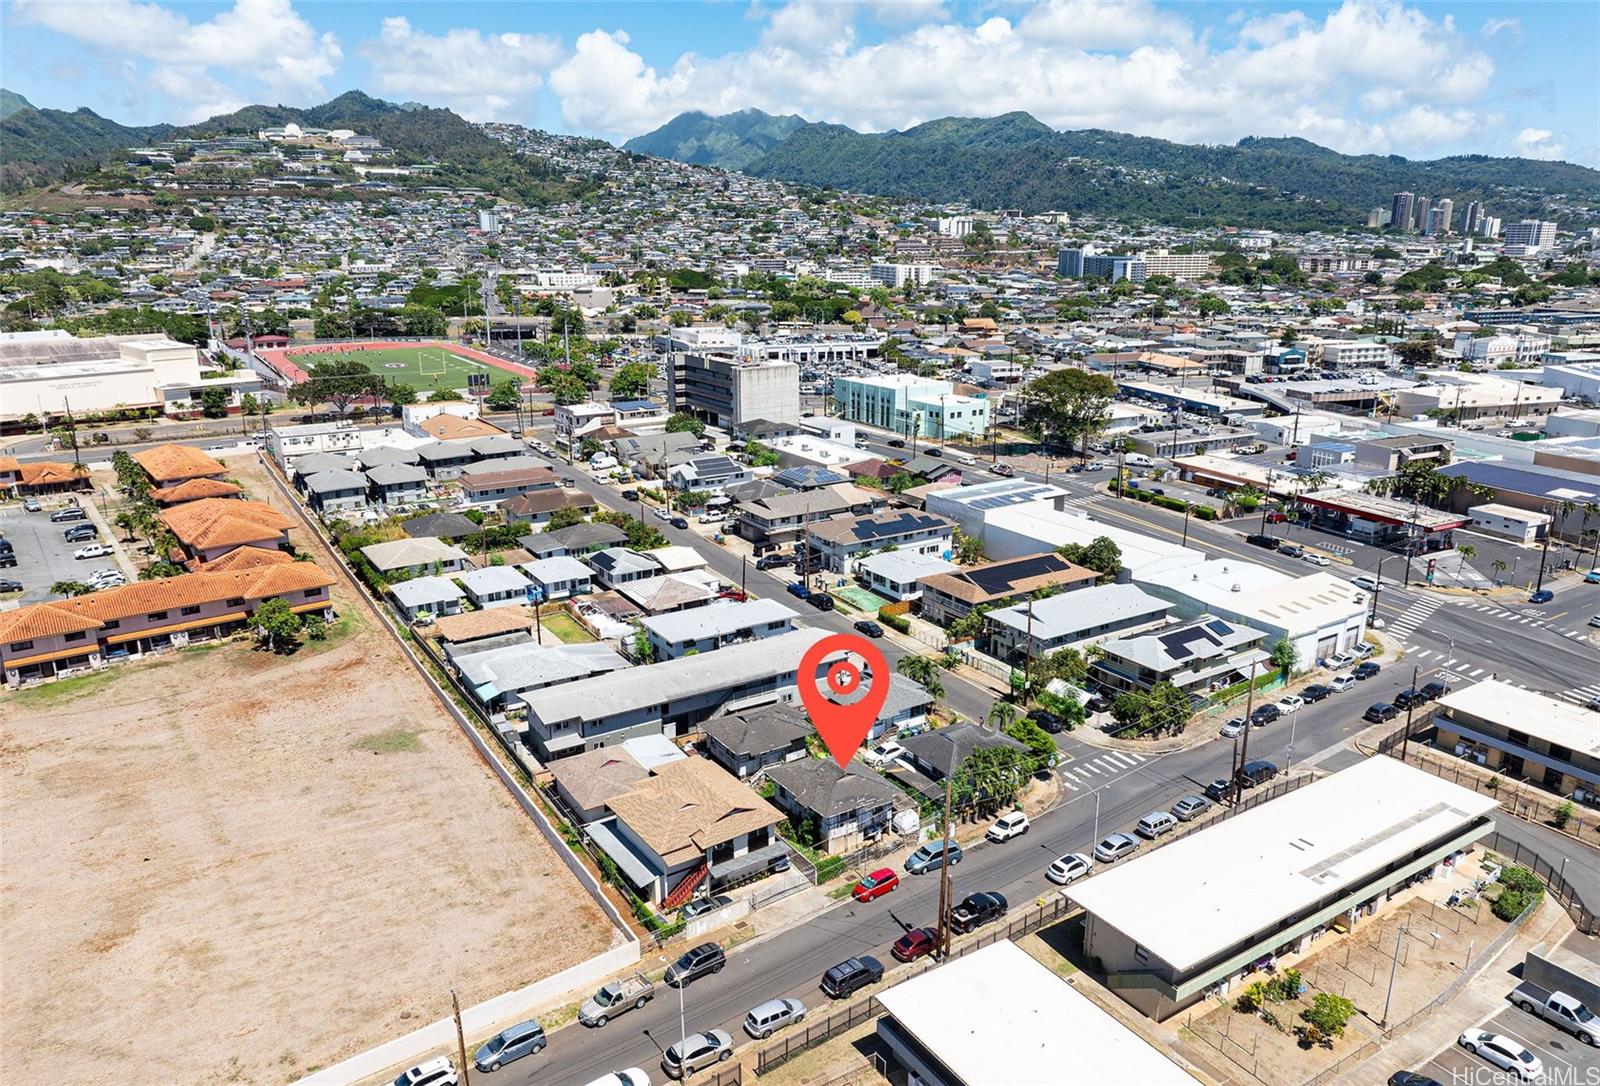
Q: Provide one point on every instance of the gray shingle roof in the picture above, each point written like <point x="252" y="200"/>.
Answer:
<point x="826" y="789"/>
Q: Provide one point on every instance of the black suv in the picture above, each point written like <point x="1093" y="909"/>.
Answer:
<point x="1257" y="772"/>
<point x="1271" y="542"/>
<point x="1316" y="692"/>
<point x="821" y="601"/>
<point x="1408" y="697"/>
<point x="976" y="911"/>
<point x="701" y="961"/>
<point x="1380" y="712"/>
<point x="630" y="495"/>
<point x="1366" y="670"/>
<point x="849" y="977"/>
<point x="1048" y="721"/>
<point x="773" y="561"/>
<point x="1433" y="690"/>
<point x="1264" y="715"/>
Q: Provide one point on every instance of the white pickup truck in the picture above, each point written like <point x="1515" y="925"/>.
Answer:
<point x="1558" y="1007"/>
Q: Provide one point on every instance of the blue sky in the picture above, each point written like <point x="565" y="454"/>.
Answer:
<point x="1498" y="77"/>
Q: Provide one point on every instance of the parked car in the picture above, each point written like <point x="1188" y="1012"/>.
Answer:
<point x="1315" y="693"/>
<point x="884" y="753"/>
<point x="868" y="628"/>
<point x="1008" y="826"/>
<point x="933" y="451"/>
<point x="1004" y="469"/>
<point x="1366" y="670"/>
<point x="1219" y="790"/>
<point x="1434" y="690"/>
<point x="632" y="1076"/>
<point x="696" y="1051"/>
<point x="798" y="589"/>
<point x="932" y="856"/>
<point x="1233" y="727"/>
<point x="8" y="585"/>
<point x="1290" y="703"/>
<point x="850" y="976"/>
<point x="1592" y="577"/>
<point x="1291" y="550"/>
<point x="70" y="513"/>
<point x="1380" y="712"/>
<point x="695" y="963"/>
<point x="678" y="522"/>
<point x="8" y="559"/>
<point x="1340" y="683"/>
<point x="1362" y="649"/>
<point x="1544" y="595"/>
<point x="1338" y="661"/>
<point x="1315" y="559"/>
<point x="895" y="443"/>
<point x="880" y="882"/>
<point x="766" y="1018"/>
<point x="1116" y="846"/>
<point x="93" y="550"/>
<point x="1069" y="868"/>
<point x="704" y="905"/>
<point x="630" y="495"/>
<point x="1408" y="697"/>
<point x="773" y="561"/>
<point x="1156" y="824"/>
<point x="438" y="1071"/>
<point x="1051" y="723"/>
<point x="1504" y="1053"/>
<point x="80" y="533"/>
<point x="1269" y="542"/>
<point x="821" y="601"/>
<point x="1189" y="808"/>
<point x="522" y="1039"/>
<point x="616" y="997"/>
<point x="1564" y="1011"/>
<point x="976" y="910"/>
<point x="663" y="514"/>
<point x="1264" y="715"/>
<point x="1411" y="1078"/>
<point x="914" y="944"/>
<point x="31" y="505"/>
<point x="1257" y="772"/>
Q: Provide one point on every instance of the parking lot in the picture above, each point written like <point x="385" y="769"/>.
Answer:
<point x="1565" y="1059"/>
<point x="44" y="556"/>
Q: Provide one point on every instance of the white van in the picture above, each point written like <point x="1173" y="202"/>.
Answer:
<point x="1138" y="460"/>
<point x="602" y="461"/>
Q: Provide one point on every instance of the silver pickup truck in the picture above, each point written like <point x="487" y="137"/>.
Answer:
<point x="1565" y="1011"/>
<point x="617" y="997"/>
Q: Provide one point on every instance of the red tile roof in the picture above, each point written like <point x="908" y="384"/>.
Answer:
<point x="221" y="522"/>
<point x="166" y="464"/>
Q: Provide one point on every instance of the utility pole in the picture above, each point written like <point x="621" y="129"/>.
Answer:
<point x="1027" y="650"/>
<point x="1405" y="740"/>
<point x="946" y="835"/>
<point x="461" y="1038"/>
<point x="1244" y="757"/>
<point x="1394" y="967"/>
<point x="1544" y="552"/>
<point x="77" y="461"/>
<point x="1187" y="509"/>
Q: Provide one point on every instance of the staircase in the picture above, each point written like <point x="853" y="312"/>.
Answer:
<point x="685" y="889"/>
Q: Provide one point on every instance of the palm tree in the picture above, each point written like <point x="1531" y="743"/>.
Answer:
<point x="923" y="671"/>
<point x="1499" y="567"/>
<point x="1467" y="552"/>
<point x="1001" y="715"/>
<point x="69" y="588"/>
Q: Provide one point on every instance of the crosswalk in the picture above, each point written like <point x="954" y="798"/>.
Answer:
<point x="1531" y="619"/>
<point x="1085" y="502"/>
<point x="1415" y="615"/>
<point x="1092" y="773"/>
<point x="1583" y="695"/>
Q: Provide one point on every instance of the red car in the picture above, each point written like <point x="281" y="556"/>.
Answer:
<point x="877" y="884"/>
<point x="913" y="944"/>
<point x="1277" y="518"/>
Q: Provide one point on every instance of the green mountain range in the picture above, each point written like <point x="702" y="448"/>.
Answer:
<point x="38" y="146"/>
<point x="1016" y="161"/>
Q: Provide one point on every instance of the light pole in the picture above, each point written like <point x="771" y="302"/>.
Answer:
<point x="1288" y="761"/>
<point x="1096" y="839"/>
<point x="1394" y="967"/>
<point x="1187" y="509"/>
<point x="1405" y="739"/>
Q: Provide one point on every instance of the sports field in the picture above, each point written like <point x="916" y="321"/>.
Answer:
<point x="422" y="367"/>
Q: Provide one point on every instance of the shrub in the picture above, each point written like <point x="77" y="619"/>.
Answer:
<point x="1563" y="815"/>
<point x="1205" y="512"/>
<point x="1251" y="999"/>
<point x="895" y="622"/>
<point x="1329" y="1014"/>
<point x="829" y="868"/>
<point x="1510" y="904"/>
<point x="1521" y="880"/>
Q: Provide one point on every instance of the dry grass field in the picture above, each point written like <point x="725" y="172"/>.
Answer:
<point x="227" y="867"/>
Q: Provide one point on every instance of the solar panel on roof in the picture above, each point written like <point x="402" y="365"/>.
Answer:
<point x="1218" y="626"/>
<point x="1000" y="578"/>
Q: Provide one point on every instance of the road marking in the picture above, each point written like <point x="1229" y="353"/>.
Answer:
<point x="1123" y="758"/>
<point x="1463" y="667"/>
<point x="1476" y="672"/>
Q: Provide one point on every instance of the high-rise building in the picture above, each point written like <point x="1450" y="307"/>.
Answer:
<point x="1489" y="226"/>
<point x="1474" y="216"/>
<point x="1447" y="207"/>
<point x="1438" y="220"/>
<point x="955" y="226"/>
<point x="1069" y="262"/>
<point x="1531" y="233"/>
<point x="1424" y="205"/>
<point x="489" y="220"/>
<point x="1402" y="210"/>
<point x="1379" y="217"/>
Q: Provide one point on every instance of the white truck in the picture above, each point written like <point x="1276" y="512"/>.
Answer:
<point x="614" y="998"/>
<point x="1567" y="1012"/>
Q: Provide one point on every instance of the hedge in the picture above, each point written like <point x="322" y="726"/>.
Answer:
<point x="829" y="867"/>
<point x="894" y="622"/>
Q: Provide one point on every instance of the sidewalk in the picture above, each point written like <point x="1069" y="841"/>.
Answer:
<point x="1481" y="997"/>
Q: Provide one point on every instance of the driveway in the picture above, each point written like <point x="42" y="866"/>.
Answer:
<point x="1564" y="1058"/>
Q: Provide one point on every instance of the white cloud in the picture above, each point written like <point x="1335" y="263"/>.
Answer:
<point x="1538" y="143"/>
<point x="1513" y="27"/>
<point x="482" y="77"/>
<point x="1368" y="76"/>
<point x="262" y="42"/>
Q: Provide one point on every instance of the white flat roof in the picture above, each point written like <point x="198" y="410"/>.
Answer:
<point x="1249" y="873"/>
<point x="1298" y="605"/>
<point x="1559" y="722"/>
<point x="1048" y="528"/>
<point x="997" y="1017"/>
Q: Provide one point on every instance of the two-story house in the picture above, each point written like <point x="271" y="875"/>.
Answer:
<point x="211" y="527"/>
<point x="706" y="629"/>
<point x="848" y="807"/>
<point x="951" y="596"/>
<point x="494" y="586"/>
<point x="559" y="578"/>
<point x="746" y="742"/>
<point x="618" y="565"/>
<point x="1196" y="657"/>
<point x="392" y="485"/>
<point x="775" y="520"/>
<point x="496" y="481"/>
<point x="332" y="493"/>
<point x="842" y="542"/>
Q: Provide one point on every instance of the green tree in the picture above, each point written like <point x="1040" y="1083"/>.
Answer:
<point x="336" y="382"/>
<point x="401" y="395"/>
<point x="277" y="626"/>
<point x="1071" y="404"/>
<point x="564" y="386"/>
<point x="759" y="455"/>
<point x="503" y="396"/>
<point x="1209" y="305"/>
<point x="1329" y="1013"/>
<point x="682" y="422"/>
<point x="69" y="588"/>
<point x="564" y="517"/>
<point x="968" y="548"/>
<point x="924" y="671"/>
<point x="1035" y="738"/>
<point x="1100" y="554"/>
<point x="1285" y="656"/>
<point x="632" y="381"/>
<point x="214" y="403"/>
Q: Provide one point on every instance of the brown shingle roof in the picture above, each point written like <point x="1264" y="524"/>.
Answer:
<point x="690" y="805"/>
<point x="471" y="625"/>
<point x="166" y="464"/>
<point x="449" y="427"/>
<point x="218" y="522"/>
<point x="193" y="490"/>
<point x="596" y="776"/>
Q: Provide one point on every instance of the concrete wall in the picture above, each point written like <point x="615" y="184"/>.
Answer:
<point x="1537" y="969"/>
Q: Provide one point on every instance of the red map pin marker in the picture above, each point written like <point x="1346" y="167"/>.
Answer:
<point x="843" y="724"/>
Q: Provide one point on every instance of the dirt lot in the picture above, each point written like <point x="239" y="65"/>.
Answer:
<point x="227" y="867"/>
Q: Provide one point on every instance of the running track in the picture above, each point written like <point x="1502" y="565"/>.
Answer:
<point x="278" y="357"/>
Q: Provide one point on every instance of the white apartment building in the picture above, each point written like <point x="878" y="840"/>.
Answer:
<point x="286" y="444"/>
<point x="1356" y="354"/>
<point x="956" y="226"/>
<point x="902" y="402"/>
<point x="1176" y="265"/>
<point x="1533" y="235"/>
<point x="895" y="276"/>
